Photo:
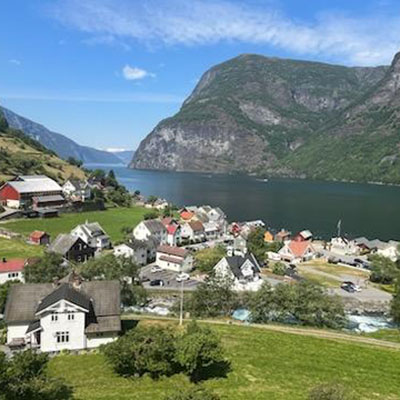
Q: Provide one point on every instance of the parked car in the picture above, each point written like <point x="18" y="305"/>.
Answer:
<point x="333" y="260"/>
<point x="155" y="268"/>
<point x="157" y="282"/>
<point x="183" y="276"/>
<point x="348" y="288"/>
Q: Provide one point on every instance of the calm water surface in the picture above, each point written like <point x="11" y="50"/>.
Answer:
<point x="365" y="210"/>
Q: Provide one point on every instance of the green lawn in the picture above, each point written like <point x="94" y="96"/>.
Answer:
<point x="391" y="335"/>
<point x="16" y="248"/>
<point x="112" y="220"/>
<point x="265" y="365"/>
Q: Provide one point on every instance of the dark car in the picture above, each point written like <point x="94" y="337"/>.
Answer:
<point x="348" y="287"/>
<point x="157" y="282"/>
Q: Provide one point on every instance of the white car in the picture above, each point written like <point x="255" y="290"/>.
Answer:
<point x="155" y="269"/>
<point x="183" y="276"/>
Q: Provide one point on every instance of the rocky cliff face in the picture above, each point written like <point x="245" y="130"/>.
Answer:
<point x="255" y="114"/>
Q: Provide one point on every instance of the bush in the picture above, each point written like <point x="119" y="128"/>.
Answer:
<point x="383" y="270"/>
<point x="330" y="391"/>
<point x="194" y="393"/>
<point x="151" y="215"/>
<point x="279" y="268"/>
<point x="205" y="260"/>
<point x="143" y="350"/>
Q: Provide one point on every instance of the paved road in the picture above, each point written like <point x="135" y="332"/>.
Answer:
<point x="169" y="279"/>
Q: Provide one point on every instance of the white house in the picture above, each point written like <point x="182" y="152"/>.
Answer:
<point x="71" y="316"/>
<point x="11" y="270"/>
<point x="211" y="230"/>
<point x="135" y="249"/>
<point x="193" y="230"/>
<point x="296" y="250"/>
<point x="77" y="190"/>
<point x="343" y="246"/>
<point x="93" y="235"/>
<point x="151" y="227"/>
<point x="389" y="250"/>
<point x="244" y="272"/>
<point x="239" y="247"/>
<point x="174" y="258"/>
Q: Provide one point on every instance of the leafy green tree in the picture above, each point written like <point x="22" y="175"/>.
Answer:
<point x="47" y="269"/>
<point x="198" y="351"/>
<point x="213" y="297"/>
<point x="395" y="304"/>
<point x="143" y="350"/>
<point x="151" y="215"/>
<point x="279" y="268"/>
<point x="152" y="199"/>
<point x="193" y="393"/>
<point x="331" y="391"/>
<point x="3" y="122"/>
<point x="205" y="260"/>
<point x="74" y="161"/>
<point x="383" y="270"/>
<point x="258" y="246"/>
<point x="24" y="377"/>
<point x="4" y="289"/>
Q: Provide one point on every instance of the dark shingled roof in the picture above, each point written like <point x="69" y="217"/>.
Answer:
<point x="154" y="226"/>
<point x="33" y="326"/>
<point x="110" y="323"/>
<point x="236" y="262"/>
<point x="63" y="243"/>
<point x="65" y="292"/>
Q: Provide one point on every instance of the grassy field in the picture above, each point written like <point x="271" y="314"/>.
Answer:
<point x="112" y="220"/>
<point x="391" y="335"/>
<point x="265" y="365"/>
<point x="18" y="249"/>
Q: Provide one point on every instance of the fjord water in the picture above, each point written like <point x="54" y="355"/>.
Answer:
<point x="365" y="210"/>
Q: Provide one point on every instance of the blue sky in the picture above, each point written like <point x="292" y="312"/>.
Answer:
<point x="105" y="72"/>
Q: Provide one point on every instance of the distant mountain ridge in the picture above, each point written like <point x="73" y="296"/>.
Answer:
<point x="60" y="144"/>
<point x="280" y="117"/>
<point x="125" y="156"/>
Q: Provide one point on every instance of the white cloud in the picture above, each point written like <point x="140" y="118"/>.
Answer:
<point x="14" y="61"/>
<point x="364" y="40"/>
<point x="135" y="73"/>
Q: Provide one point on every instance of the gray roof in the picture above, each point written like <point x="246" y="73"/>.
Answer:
<point x="35" y="184"/>
<point x="63" y="243"/>
<point x="33" y="326"/>
<point x="24" y="300"/>
<point x="93" y="229"/>
<point x="135" y="244"/>
<point x="43" y="199"/>
<point x="235" y="263"/>
<point x="110" y="323"/>
<point x="371" y="244"/>
<point x="154" y="225"/>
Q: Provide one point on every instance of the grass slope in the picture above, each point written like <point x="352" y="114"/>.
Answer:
<point x="265" y="365"/>
<point x="112" y="220"/>
<point x="15" y="248"/>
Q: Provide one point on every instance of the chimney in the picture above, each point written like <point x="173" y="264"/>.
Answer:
<point x="4" y="259"/>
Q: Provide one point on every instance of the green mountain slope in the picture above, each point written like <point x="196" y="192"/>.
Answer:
<point x="262" y="115"/>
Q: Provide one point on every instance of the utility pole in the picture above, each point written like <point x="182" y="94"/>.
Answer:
<point x="181" y="307"/>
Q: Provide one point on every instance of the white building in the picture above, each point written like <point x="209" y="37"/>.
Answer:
<point x="296" y="251"/>
<point x="244" y="272"/>
<point x="211" y="230"/>
<point x="77" y="190"/>
<point x="135" y="250"/>
<point x="71" y="316"/>
<point x="389" y="250"/>
<point x="151" y="228"/>
<point x="93" y="235"/>
<point x="11" y="270"/>
<point x="343" y="246"/>
<point x="194" y="231"/>
<point x="174" y="258"/>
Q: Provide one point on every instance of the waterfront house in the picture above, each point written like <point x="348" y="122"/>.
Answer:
<point x="282" y="236"/>
<point x="211" y="230"/>
<point x="268" y="237"/>
<point x="174" y="258"/>
<point x="239" y="247"/>
<point x="67" y="316"/>
<point x="303" y="235"/>
<point x="93" y="235"/>
<point x="72" y="248"/>
<point x="243" y="271"/>
<point x="193" y="231"/>
<point x="21" y="191"/>
<point x="151" y="227"/>
<point x="297" y="250"/>
<point x="343" y="246"/>
<point x="39" y="238"/>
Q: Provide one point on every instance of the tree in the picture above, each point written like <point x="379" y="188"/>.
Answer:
<point x="47" y="269"/>
<point x="258" y="246"/>
<point x="3" y="122"/>
<point x="4" y="289"/>
<point x="193" y="393"/>
<point x="143" y="350"/>
<point x="152" y="199"/>
<point x="395" y="304"/>
<point x="205" y="260"/>
<point x="279" y="268"/>
<point x="330" y="391"/>
<point x="213" y="297"/>
<point x="24" y="377"/>
<point x="74" y="161"/>
<point x="151" y="215"/>
<point x="199" y="350"/>
<point x="383" y="270"/>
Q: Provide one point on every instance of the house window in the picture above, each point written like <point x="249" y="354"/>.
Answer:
<point x="100" y="334"/>
<point x="54" y="317"/>
<point x="70" y="315"/>
<point x="13" y="275"/>
<point x="62" y="337"/>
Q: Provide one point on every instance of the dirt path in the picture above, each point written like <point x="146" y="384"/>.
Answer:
<point x="318" y="333"/>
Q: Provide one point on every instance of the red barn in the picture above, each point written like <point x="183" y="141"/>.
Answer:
<point x="39" y="238"/>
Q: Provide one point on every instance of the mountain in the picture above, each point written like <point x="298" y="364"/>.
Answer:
<point x="125" y="156"/>
<point x="62" y="145"/>
<point x="22" y="155"/>
<point x="280" y="117"/>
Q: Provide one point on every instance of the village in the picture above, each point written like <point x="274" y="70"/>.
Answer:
<point x="167" y="245"/>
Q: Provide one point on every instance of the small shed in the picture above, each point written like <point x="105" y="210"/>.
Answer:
<point x="39" y="238"/>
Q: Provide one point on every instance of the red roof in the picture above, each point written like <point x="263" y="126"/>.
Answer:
<point x="37" y="234"/>
<point x="167" y="221"/>
<point x="171" y="229"/>
<point x="14" y="265"/>
<point x="186" y="215"/>
<point x="298" y="248"/>
<point x="172" y="250"/>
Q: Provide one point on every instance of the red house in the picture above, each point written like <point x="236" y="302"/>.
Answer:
<point x="39" y="238"/>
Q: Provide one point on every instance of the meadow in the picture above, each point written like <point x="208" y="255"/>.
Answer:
<point x="265" y="365"/>
<point x="17" y="248"/>
<point x="112" y="220"/>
